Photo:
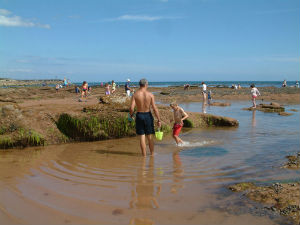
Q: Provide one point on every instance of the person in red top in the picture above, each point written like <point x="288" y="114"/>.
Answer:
<point x="179" y="116"/>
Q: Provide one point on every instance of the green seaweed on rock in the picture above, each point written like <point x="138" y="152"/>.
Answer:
<point x="94" y="128"/>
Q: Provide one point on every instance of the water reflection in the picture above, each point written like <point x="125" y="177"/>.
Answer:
<point x="178" y="173"/>
<point x="145" y="191"/>
<point x="203" y="108"/>
<point x="253" y="118"/>
<point x="141" y="221"/>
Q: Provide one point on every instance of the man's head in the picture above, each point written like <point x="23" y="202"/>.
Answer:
<point x="174" y="105"/>
<point x="143" y="83"/>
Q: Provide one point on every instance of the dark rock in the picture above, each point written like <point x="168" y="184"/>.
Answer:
<point x="165" y="93"/>
<point x="285" y="114"/>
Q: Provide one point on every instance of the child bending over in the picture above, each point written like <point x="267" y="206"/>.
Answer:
<point x="179" y="116"/>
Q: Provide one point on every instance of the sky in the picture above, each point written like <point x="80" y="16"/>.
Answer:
<point x="161" y="40"/>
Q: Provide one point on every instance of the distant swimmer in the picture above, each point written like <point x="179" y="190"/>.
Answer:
<point x="179" y="116"/>
<point x="254" y="94"/>
<point x="144" y="100"/>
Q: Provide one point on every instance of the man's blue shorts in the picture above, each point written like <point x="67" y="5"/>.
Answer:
<point x="144" y="123"/>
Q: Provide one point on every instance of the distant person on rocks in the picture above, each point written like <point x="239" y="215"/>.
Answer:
<point x="127" y="88"/>
<point x="254" y="93"/>
<point x="143" y="100"/>
<point x="239" y="86"/>
<point x="65" y="82"/>
<point x="107" y="89"/>
<point x="77" y="90"/>
<point x="204" y="92"/>
<point x="84" y="90"/>
<point x="89" y="89"/>
<point x="186" y="87"/>
<point x="284" y="83"/>
<point x="297" y="84"/>
<point x="113" y="86"/>
<point x="209" y="97"/>
<point x="57" y="87"/>
<point x="179" y="116"/>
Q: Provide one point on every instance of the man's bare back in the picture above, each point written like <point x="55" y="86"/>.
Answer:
<point x="143" y="100"/>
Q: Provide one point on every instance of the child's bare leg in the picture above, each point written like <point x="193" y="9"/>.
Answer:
<point x="253" y="102"/>
<point x="177" y="139"/>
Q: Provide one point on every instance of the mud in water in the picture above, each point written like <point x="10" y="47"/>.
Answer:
<point x="108" y="182"/>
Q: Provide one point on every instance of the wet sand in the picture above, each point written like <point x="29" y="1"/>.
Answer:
<point x="84" y="184"/>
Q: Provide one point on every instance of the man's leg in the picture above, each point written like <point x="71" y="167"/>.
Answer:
<point x="150" y="143"/>
<point x="143" y="144"/>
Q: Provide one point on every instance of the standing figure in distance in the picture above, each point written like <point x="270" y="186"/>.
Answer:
<point x="254" y="94"/>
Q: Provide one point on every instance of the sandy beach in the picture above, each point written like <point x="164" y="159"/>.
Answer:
<point x="108" y="182"/>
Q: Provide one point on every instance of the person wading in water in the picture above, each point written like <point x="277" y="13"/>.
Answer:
<point x="143" y="100"/>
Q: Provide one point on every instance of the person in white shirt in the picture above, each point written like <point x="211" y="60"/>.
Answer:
<point x="204" y="92"/>
<point x="254" y="94"/>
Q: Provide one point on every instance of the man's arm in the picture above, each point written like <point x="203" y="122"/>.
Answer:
<point x="155" y="111"/>
<point x="132" y="105"/>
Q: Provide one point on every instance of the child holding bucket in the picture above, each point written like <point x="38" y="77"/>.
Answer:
<point x="179" y="116"/>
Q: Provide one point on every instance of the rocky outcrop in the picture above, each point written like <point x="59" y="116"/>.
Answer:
<point x="293" y="161"/>
<point x="282" y="198"/>
<point x="272" y="107"/>
<point x="9" y="82"/>
<point x="285" y="114"/>
<point x="220" y="104"/>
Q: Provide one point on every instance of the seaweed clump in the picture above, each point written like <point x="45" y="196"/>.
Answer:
<point x="94" y="128"/>
<point x="21" y="138"/>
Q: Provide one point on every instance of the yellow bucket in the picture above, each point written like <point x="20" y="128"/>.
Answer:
<point x="159" y="135"/>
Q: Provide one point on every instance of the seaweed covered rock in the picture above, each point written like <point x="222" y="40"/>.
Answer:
<point x="272" y="107"/>
<point x="94" y="128"/>
<point x="293" y="161"/>
<point x="283" y="198"/>
<point x="213" y="120"/>
<point x="21" y="138"/>
<point x="188" y="123"/>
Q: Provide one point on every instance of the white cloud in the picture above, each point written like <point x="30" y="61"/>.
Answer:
<point x="140" y="18"/>
<point x="16" y="21"/>
<point x="4" y="12"/>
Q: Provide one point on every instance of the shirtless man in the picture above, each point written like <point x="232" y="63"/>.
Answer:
<point x="143" y="100"/>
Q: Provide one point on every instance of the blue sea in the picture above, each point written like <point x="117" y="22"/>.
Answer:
<point x="209" y="83"/>
<point x="181" y="83"/>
